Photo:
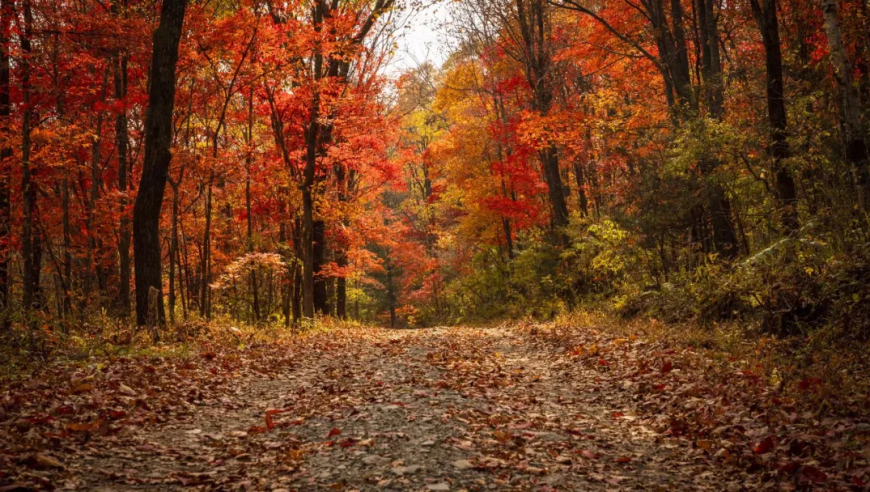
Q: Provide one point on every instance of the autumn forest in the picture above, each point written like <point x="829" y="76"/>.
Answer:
<point x="236" y="181"/>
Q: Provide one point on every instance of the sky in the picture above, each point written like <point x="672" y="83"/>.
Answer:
<point x="422" y="38"/>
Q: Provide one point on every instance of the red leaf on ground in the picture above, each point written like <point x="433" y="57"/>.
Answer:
<point x="334" y="432"/>
<point x="765" y="446"/>
<point x="814" y="474"/>
<point x="667" y="367"/>
<point x="808" y="384"/>
<point x="623" y="459"/>
<point x="269" y="422"/>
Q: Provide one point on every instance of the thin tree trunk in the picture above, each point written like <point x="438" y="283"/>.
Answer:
<point x="6" y="14"/>
<point x="318" y="237"/>
<point x="534" y="28"/>
<point x="173" y="252"/>
<point x="850" y="103"/>
<point x="29" y="242"/>
<point x="286" y="286"/>
<point x="718" y="203"/>
<point x="340" y="247"/>
<point x="94" y="267"/>
<point x="248" y="160"/>
<point x="582" y="201"/>
<point x="204" y="308"/>
<point x="391" y="294"/>
<point x="786" y="194"/>
<point x="121" y="145"/>
<point x="155" y="168"/>
<point x="66" y="275"/>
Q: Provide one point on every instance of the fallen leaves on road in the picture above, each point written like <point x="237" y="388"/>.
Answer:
<point x="522" y="407"/>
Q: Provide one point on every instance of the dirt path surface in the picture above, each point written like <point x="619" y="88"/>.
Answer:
<point x="435" y="409"/>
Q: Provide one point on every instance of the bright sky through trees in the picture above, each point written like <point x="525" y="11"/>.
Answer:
<point x="423" y="38"/>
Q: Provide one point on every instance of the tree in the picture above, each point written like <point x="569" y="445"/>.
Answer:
<point x="155" y="168"/>
<point x="851" y="108"/>
<point x="768" y="24"/>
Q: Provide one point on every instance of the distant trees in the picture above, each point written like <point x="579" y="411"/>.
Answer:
<point x="698" y="139"/>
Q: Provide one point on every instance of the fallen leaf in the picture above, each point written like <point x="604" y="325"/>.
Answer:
<point x="123" y="388"/>
<point x="764" y="446"/>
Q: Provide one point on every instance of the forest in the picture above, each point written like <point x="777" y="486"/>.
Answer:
<point x="200" y="189"/>
<point x="693" y="161"/>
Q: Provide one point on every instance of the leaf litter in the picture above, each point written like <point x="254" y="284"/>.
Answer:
<point x="520" y="407"/>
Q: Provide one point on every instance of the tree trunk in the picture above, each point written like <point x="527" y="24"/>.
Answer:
<point x="582" y="201"/>
<point x="534" y="29"/>
<point x="391" y="294"/>
<point x="786" y="194"/>
<point x="307" y="251"/>
<point x="173" y="252"/>
<point x="121" y="146"/>
<point x="248" y="160"/>
<point x="286" y="290"/>
<point x="297" y="271"/>
<point x="66" y="275"/>
<point x="6" y="14"/>
<point x="724" y="236"/>
<point x="29" y="240"/>
<point x="340" y="247"/>
<point x="850" y="103"/>
<point x="321" y="299"/>
<point x="341" y="284"/>
<point x="94" y="266"/>
<point x="155" y="168"/>
<point x="205" y="288"/>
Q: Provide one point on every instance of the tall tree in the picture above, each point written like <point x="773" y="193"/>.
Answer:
<point x="851" y="107"/>
<point x="30" y="244"/>
<point x="155" y="167"/>
<point x="119" y="76"/>
<point x="786" y="192"/>
<point x="6" y="14"/>
<point x="533" y="17"/>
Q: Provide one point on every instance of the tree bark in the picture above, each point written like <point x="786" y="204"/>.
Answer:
<point x="205" y="291"/>
<point x="29" y="234"/>
<point x="121" y="145"/>
<point x="155" y="168"/>
<point x="255" y="306"/>
<point x="321" y="299"/>
<point x="534" y="30"/>
<point x="94" y="243"/>
<point x="786" y="194"/>
<point x="173" y="252"/>
<point x="6" y="14"/>
<point x="724" y="235"/>
<point x="850" y="103"/>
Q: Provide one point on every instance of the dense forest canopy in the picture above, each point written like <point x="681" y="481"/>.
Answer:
<point x="259" y="161"/>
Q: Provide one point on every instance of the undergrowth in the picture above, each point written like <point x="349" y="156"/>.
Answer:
<point x="104" y="337"/>
<point x="824" y="369"/>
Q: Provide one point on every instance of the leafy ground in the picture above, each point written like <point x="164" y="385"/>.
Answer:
<point x="520" y="407"/>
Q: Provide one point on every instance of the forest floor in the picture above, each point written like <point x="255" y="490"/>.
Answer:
<point x="520" y="407"/>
